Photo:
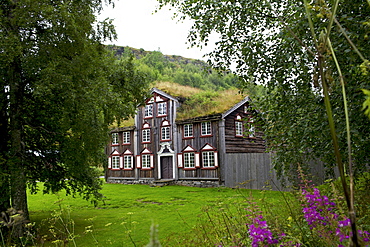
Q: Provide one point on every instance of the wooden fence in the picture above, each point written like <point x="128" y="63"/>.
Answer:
<point x="255" y="171"/>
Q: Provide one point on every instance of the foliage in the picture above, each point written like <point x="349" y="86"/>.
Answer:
<point x="271" y="43"/>
<point x="60" y="89"/>
<point x="184" y="71"/>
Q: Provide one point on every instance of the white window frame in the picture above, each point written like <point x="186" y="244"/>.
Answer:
<point x="126" y="137"/>
<point x="206" y="129"/>
<point x="208" y="159"/>
<point x="251" y="128"/>
<point x="188" y="130"/>
<point x="148" y="111"/>
<point x="165" y="133"/>
<point x="145" y="161"/>
<point x="238" y="128"/>
<point x="128" y="162"/>
<point x="146" y="135"/>
<point x="162" y="108"/>
<point x="115" y="139"/>
<point x="115" y="162"/>
<point x="189" y="160"/>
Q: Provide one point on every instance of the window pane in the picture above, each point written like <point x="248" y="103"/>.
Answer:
<point x="149" y="110"/>
<point x="127" y="162"/>
<point x="146" y="135"/>
<point x="189" y="160"/>
<point x="162" y="108"/>
<point x="114" y="138"/>
<point x="115" y="162"/>
<point x="208" y="159"/>
<point x="145" y="161"/>
<point x="126" y="137"/>
<point x="206" y="128"/>
<point x="239" y="128"/>
<point x="165" y="133"/>
<point x="188" y="130"/>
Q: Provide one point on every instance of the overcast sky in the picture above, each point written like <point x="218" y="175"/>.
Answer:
<point x="138" y="26"/>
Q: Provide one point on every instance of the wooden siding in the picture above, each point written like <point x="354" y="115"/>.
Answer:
<point x="121" y="173"/>
<point x="255" y="171"/>
<point x="146" y="173"/>
<point x="250" y="171"/>
<point x="235" y="144"/>
<point x="198" y="173"/>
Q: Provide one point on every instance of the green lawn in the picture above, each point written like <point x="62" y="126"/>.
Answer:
<point x="125" y="215"/>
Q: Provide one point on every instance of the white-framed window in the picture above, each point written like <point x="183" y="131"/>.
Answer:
<point x="126" y="137"/>
<point x="148" y="111"/>
<point x="208" y="158"/>
<point x="238" y="128"/>
<point x="238" y="125"/>
<point x="115" y="139"/>
<point x="189" y="160"/>
<point x="127" y="161"/>
<point x="115" y="162"/>
<point x="188" y="130"/>
<point x="251" y="128"/>
<point x="206" y="129"/>
<point x="146" y="135"/>
<point x="165" y="133"/>
<point x="145" y="161"/>
<point x="162" y="108"/>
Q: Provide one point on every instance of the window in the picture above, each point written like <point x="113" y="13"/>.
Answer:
<point x="115" y="162"/>
<point x="208" y="158"/>
<point x="126" y="137"/>
<point x="206" y="128"/>
<point x="148" y="111"/>
<point x="114" y="138"/>
<point x="165" y="131"/>
<point x="145" y="161"/>
<point x="238" y="126"/>
<point x="146" y="135"/>
<point x="251" y="129"/>
<point x="189" y="161"/>
<point x="188" y="130"/>
<point x="127" y="162"/>
<point x="162" y="108"/>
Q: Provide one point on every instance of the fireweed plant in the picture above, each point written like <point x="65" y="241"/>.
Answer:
<point x="325" y="220"/>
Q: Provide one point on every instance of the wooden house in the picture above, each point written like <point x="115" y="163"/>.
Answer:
<point x="199" y="151"/>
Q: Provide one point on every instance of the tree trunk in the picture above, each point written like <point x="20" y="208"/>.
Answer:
<point x="16" y="155"/>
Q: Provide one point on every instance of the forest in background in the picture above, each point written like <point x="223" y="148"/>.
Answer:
<point x="171" y="68"/>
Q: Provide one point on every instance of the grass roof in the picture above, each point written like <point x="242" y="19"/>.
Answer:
<point x="196" y="102"/>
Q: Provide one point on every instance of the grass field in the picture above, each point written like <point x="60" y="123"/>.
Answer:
<point x="125" y="215"/>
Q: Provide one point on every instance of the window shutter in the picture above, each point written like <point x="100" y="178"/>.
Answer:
<point x="138" y="161"/>
<point x="110" y="162"/>
<point x="121" y="162"/>
<point x="132" y="161"/>
<point x="216" y="159"/>
<point x="196" y="160"/>
<point x="151" y="161"/>
<point x="179" y="160"/>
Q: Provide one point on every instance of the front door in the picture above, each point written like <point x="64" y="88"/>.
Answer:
<point x="166" y="167"/>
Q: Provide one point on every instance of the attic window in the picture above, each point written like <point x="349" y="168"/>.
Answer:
<point x="162" y="109"/>
<point x="238" y="126"/>
<point x="126" y="137"/>
<point x="148" y="111"/>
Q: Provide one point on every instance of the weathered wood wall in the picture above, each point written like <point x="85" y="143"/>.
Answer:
<point x="255" y="171"/>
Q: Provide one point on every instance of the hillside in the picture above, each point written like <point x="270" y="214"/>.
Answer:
<point x="184" y="71"/>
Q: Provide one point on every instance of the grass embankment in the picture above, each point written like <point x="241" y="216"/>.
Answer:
<point x="125" y="215"/>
